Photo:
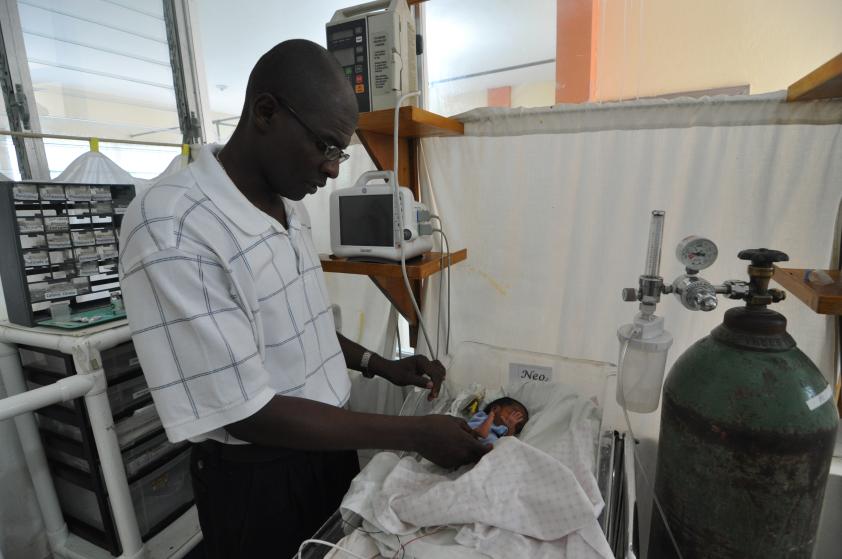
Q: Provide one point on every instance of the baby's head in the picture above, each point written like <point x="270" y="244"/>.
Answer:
<point x="509" y="412"/>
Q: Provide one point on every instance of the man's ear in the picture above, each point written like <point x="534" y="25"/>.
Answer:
<point x="263" y="108"/>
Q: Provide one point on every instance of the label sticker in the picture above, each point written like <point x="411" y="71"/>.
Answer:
<point x="820" y="398"/>
<point x="107" y="251"/>
<point x="57" y="223"/>
<point x="134" y="361"/>
<point x="52" y="192"/>
<point x="40" y="258"/>
<point x="86" y="255"/>
<point x="30" y="225"/>
<point x="60" y="293"/>
<point x="83" y="238"/>
<point x="103" y="237"/>
<point x="100" y="193"/>
<point x="25" y="192"/>
<point x="521" y="372"/>
<point x="78" y="193"/>
<point x="58" y="240"/>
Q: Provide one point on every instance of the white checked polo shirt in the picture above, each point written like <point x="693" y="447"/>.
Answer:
<point x="227" y="307"/>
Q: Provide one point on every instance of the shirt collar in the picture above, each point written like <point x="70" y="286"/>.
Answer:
<point x="214" y="182"/>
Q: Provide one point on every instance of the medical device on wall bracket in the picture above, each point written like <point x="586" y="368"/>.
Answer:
<point x="645" y="342"/>
<point x="375" y="44"/>
<point x="365" y="221"/>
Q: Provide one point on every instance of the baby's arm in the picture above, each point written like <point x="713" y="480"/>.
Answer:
<point x="485" y="428"/>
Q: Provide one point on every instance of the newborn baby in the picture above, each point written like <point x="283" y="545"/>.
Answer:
<point x="504" y="416"/>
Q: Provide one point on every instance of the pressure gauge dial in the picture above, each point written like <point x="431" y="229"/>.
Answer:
<point x="696" y="253"/>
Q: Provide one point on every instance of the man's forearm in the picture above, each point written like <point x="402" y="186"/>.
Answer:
<point x="308" y="425"/>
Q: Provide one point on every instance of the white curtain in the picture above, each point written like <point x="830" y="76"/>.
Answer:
<point x="556" y="223"/>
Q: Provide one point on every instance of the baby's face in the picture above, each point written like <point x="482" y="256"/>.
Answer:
<point x="513" y="417"/>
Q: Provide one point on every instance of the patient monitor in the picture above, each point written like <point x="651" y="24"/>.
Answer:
<point x="365" y="224"/>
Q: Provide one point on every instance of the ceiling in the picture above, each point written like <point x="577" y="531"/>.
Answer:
<point x="117" y="48"/>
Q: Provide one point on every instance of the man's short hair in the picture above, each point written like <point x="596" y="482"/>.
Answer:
<point x="302" y="73"/>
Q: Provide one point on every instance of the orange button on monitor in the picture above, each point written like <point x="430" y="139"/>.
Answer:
<point x="359" y="88"/>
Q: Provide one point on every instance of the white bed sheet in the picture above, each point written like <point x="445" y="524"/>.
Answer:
<point x="532" y="497"/>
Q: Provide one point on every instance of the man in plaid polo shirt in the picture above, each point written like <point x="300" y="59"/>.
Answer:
<point x="230" y="317"/>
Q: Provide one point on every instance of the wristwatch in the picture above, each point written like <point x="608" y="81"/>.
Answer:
<point x="364" y="365"/>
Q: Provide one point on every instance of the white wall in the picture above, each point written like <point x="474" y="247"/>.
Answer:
<point x="652" y="47"/>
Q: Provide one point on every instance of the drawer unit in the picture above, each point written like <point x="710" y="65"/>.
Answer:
<point x="117" y="362"/>
<point x="123" y="396"/>
<point x="157" y="470"/>
<point x="159" y="496"/>
<point x="148" y="450"/>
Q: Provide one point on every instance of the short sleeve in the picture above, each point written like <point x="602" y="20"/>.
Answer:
<point x="195" y="341"/>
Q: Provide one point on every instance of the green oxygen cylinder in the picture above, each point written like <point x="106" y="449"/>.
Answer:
<point x="748" y="425"/>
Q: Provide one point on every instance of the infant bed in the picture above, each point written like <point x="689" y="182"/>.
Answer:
<point x="573" y="418"/>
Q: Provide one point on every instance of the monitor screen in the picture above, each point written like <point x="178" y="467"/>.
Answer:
<point x="345" y="56"/>
<point x="366" y="220"/>
<point x="343" y="34"/>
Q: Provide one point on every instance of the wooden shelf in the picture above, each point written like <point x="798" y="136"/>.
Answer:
<point x="825" y="82"/>
<point x="416" y="269"/>
<point x="414" y="123"/>
<point x="375" y="130"/>
<point x="823" y="299"/>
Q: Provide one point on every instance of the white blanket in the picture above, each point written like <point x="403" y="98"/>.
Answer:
<point x="518" y="501"/>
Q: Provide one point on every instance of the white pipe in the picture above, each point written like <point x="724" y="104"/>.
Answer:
<point x="66" y="343"/>
<point x="33" y="451"/>
<point x="85" y="350"/>
<point x="110" y="459"/>
<point x="31" y="400"/>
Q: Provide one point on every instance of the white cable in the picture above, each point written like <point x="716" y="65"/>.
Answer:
<point x="398" y="336"/>
<point x="636" y="331"/>
<point x="328" y="544"/>
<point x="397" y="199"/>
<point x="445" y="249"/>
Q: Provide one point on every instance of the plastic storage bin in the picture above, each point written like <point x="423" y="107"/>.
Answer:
<point x="135" y="458"/>
<point x="157" y="497"/>
<point x="120" y="360"/>
<point x="126" y="394"/>
<point x="136" y="426"/>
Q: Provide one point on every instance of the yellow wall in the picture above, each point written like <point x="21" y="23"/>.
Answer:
<point x="663" y="46"/>
<point x="536" y="94"/>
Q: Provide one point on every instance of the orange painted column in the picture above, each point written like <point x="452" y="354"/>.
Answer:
<point x="577" y="31"/>
<point x="500" y="96"/>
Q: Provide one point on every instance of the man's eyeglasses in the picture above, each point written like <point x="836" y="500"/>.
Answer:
<point x="330" y="151"/>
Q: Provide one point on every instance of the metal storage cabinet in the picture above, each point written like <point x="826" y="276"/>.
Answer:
<point x="58" y="242"/>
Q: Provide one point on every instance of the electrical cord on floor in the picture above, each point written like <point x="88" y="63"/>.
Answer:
<point x="636" y="332"/>
<point x="305" y="543"/>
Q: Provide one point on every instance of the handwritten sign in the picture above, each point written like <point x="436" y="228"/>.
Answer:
<point x="522" y="372"/>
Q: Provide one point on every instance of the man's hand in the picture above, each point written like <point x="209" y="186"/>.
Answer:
<point x="416" y="370"/>
<point x="448" y="441"/>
